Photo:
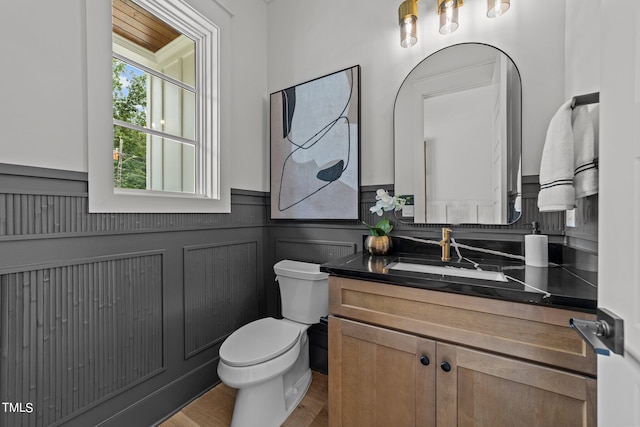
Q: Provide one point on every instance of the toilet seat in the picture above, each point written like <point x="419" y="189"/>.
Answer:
<point x="258" y="342"/>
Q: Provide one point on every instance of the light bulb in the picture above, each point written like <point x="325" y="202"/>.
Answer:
<point x="497" y="8"/>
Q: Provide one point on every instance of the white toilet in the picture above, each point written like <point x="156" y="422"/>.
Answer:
<point x="268" y="360"/>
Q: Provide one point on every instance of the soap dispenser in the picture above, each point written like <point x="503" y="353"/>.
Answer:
<point x="536" y="248"/>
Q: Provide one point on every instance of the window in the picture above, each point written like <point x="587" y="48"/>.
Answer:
<point x="154" y="109"/>
<point x="162" y="151"/>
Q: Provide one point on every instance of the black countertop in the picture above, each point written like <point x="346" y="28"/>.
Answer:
<point x="554" y="286"/>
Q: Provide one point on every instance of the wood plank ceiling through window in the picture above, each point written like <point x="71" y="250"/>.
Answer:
<point x="141" y="27"/>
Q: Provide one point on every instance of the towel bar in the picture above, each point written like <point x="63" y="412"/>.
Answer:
<point x="589" y="98"/>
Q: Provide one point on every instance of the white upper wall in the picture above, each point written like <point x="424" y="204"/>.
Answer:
<point x="582" y="44"/>
<point x="249" y="103"/>
<point x="308" y="39"/>
<point x="43" y="87"/>
<point x="43" y="82"/>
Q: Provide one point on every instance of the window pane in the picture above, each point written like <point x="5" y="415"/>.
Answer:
<point x="151" y="41"/>
<point x="171" y="108"/>
<point x="129" y="158"/>
<point x="149" y="162"/>
<point x="149" y="101"/>
<point x="172" y="165"/>
<point x="129" y="94"/>
<point x="180" y="65"/>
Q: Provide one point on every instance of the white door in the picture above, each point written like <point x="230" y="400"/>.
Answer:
<point x="619" y="208"/>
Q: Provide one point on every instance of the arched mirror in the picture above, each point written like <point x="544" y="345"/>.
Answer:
<point x="458" y="137"/>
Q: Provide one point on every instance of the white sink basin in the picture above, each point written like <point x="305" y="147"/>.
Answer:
<point x="496" y="276"/>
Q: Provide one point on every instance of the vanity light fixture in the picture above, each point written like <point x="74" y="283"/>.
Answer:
<point x="408" y="19"/>
<point x="448" y="13"/>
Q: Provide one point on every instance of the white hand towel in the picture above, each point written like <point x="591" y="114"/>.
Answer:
<point x="557" y="164"/>
<point x="585" y="180"/>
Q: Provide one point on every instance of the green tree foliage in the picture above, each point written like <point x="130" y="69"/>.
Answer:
<point x="129" y="105"/>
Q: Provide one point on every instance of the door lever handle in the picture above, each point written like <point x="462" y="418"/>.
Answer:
<point x="591" y="331"/>
<point x="604" y="334"/>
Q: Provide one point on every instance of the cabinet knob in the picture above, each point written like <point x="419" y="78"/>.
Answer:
<point x="425" y="360"/>
<point x="445" y="366"/>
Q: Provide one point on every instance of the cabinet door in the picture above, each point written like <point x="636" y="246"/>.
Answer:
<point x="379" y="377"/>
<point x="479" y="389"/>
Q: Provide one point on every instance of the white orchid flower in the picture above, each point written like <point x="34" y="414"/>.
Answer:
<point x="385" y="202"/>
<point x="380" y="193"/>
<point x="377" y="209"/>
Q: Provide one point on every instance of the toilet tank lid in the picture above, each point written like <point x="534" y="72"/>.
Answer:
<point x="299" y="270"/>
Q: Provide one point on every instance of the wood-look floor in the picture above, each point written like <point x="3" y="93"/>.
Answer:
<point x="214" y="408"/>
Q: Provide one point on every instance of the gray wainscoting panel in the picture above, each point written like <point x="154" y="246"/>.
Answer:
<point x="74" y="334"/>
<point x="32" y="214"/>
<point x="316" y="251"/>
<point x="37" y="201"/>
<point x="221" y="292"/>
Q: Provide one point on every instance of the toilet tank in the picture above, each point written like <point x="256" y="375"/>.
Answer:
<point x="304" y="291"/>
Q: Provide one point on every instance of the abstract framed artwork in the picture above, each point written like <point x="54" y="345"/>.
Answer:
<point x="315" y="148"/>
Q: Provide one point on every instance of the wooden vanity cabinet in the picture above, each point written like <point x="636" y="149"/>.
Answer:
<point x="402" y="356"/>
<point x="379" y="377"/>
<point x="482" y="389"/>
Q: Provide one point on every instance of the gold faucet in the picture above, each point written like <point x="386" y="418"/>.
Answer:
<point x="446" y="244"/>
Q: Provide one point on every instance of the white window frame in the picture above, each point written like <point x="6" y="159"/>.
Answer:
<point x="212" y="121"/>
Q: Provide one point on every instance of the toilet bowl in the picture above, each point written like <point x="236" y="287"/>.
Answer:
<point x="268" y="360"/>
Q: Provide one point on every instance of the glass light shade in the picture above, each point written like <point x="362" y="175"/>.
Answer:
<point x="408" y="31"/>
<point x="496" y="8"/>
<point x="448" y="16"/>
<point x="408" y="18"/>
